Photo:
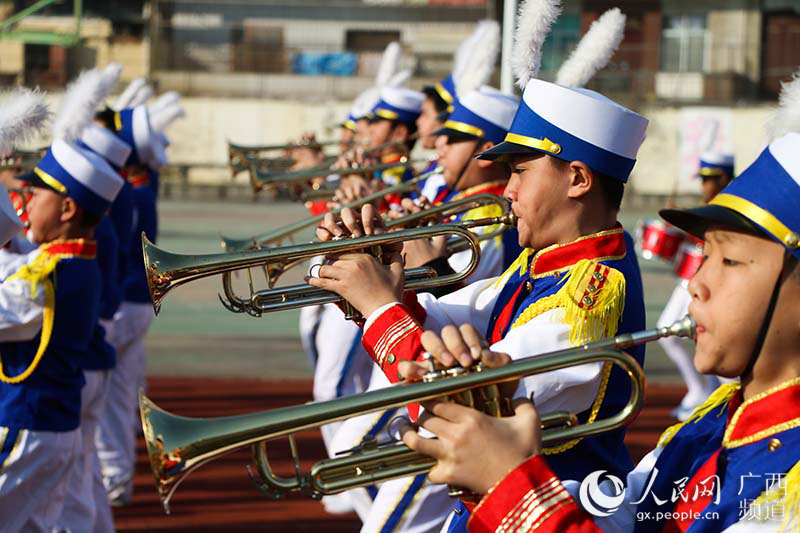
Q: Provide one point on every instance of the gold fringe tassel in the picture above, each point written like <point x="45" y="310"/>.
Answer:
<point x="719" y="397"/>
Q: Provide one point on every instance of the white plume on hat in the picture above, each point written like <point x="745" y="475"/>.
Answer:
<point x="390" y="63"/>
<point x="786" y="119"/>
<point x="161" y="118"/>
<point x="22" y="113"/>
<point x="142" y="95"/>
<point x="534" y="21"/>
<point x="124" y="99"/>
<point x="475" y="59"/>
<point x="81" y="100"/>
<point x="165" y="100"/>
<point x="594" y="50"/>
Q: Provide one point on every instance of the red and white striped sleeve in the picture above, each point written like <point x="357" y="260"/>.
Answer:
<point x="530" y="498"/>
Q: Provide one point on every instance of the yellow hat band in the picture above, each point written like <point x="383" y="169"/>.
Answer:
<point x="387" y="114"/>
<point x="760" y="216"/>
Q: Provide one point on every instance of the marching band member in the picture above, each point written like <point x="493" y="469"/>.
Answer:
<point x="86" y="507"/>
<point x="733" y="464"/>
<point x="51" y="300"/>
<point x="577" y="279"/>
<point x="475" y="58"/>
<point x="716" y="171"/>
<point x="116" y="436"/>
<point x="480" y="119"/>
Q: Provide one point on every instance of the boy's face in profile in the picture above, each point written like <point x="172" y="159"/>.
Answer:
<point x="45" y="212"/>
<point x="730" y="296"/>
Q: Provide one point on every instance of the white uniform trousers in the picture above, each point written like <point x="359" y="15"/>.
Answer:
<point x="343" y="367"/>
<point x="86" y="507"/>
<point x="410" y="504"/>
<point x="34" y="472"/>
<point x="116" y="436"/>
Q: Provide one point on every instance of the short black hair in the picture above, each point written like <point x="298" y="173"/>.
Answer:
<point x="87" y="219"/>
<point x="439" y="103"/>
<point x="106" y="116"/>
<point x="612" y="188"/>
<point x="412" y="130"/>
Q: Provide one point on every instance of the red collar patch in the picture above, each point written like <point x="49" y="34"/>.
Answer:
<point x="605" y="245"/>
<point x="82" y="248"/>
<point x="763" y="415"/>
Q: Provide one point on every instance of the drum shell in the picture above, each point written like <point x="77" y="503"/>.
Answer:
<point x="660" y="241"/>
<point x="688" y="260"/>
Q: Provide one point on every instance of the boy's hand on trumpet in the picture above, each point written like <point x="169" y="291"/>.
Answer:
<point x="360" y="278"/>
<point x="473" y="450"/>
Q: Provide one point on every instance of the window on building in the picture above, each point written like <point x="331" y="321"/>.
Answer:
<point x="683" y="43"/>
<point x="369" y="40"/>
<point x="562" y="39"/>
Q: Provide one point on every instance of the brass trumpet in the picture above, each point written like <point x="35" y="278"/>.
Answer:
<point x="166" y="270"/>
<point x="433" y="215"/>
<point x="277" y="235"/>
<point x="178" y="445"/>
<point x="284" y="178"/>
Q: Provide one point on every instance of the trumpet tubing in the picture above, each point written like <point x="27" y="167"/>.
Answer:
<point x="166" y="270"/>
<point x="274" y="236"/>
<point x="178" y="445"/>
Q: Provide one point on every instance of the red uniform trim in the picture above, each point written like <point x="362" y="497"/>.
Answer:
<point x="763" y="415"/>
<point x="393" y="337"/>
<point x="317" y="207"/>
<point x="692" y="505"/>
<point x="599" y="246"/>
<point x="82" y="248"/>
<point x="529" y="498"/>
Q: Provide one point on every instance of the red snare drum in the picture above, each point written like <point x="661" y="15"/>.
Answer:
<point x="690" y="257"/>
<point x="660" y="240"/>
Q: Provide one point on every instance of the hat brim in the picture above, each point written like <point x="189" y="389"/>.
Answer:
<point x="697" y="220"/>
<point x="504" y="150"/>
<point x="34" y="180"/>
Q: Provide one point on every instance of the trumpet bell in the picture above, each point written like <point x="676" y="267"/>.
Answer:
<point x="177" y="445"/>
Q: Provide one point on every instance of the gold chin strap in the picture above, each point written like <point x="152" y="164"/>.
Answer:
<point x="386" y="113"/>
<point x="50" y="180"/>
<point x="546" y="145"/>
<point x="463" y="127"/>
<point x="444" y="94"/>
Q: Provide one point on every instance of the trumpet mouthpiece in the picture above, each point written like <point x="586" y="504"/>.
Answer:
<point x="684" y="327"/>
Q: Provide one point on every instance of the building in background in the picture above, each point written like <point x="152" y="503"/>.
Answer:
<point x="674" y="50"/>
<point x="706" y="72"/>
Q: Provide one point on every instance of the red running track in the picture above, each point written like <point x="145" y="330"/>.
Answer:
<point x="220" y="497"/>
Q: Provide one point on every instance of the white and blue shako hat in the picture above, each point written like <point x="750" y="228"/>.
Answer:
<point x="105" y="144"/>
<point x="574" y="124"/>
<point x="398" y="103"/>
<point x="715" y="164"/>
<point x="80" y="174"/>
<point x="764" y="199"/>
<point x="10" y="224"/>
<point x="132" y="125"/>
<point x="483" y="114"/>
